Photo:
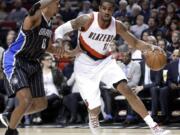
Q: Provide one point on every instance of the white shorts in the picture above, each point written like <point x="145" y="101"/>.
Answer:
<point x="89" y="73"/>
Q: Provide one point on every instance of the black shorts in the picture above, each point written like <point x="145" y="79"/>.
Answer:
<point x="25" y="74"/>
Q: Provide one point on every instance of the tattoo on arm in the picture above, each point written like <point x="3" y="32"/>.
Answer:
<point x="79" y="21"/>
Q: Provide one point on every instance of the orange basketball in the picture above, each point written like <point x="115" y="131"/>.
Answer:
<point x="156" y="60"/>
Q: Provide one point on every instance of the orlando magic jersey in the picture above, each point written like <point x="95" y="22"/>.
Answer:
<point x="20" y="62"/>
<point x="31" y="44"/>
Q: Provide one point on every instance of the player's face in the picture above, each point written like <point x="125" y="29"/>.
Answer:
<point x="54" y="7"/>
<point x="106" y="10"/>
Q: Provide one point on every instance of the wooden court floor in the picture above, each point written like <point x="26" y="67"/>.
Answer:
<point x="82" y="131"/>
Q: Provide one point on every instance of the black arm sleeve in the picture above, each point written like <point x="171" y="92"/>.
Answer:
<point x="34" y="8"/>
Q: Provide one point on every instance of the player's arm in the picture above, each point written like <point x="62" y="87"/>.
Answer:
<point x="34" y="16"/>
<point x="58" y="51"/>
<point x="71" y="25"/>
<point x="75" y="24"/>
<point x="131" y="39"/>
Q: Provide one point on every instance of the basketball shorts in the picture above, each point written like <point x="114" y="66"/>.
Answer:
<point x="23" y="74"/>
<point x="89" y="74"/>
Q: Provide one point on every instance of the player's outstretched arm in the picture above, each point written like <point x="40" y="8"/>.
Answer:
<point x="34" y="17"/>
<point x="131" y="39"/>
<point x="40" y="5"/>
<point x="61" y="31"/>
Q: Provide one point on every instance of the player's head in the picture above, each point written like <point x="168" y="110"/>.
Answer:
<point x="53" y="8"/>
<point x="106" y="9"/>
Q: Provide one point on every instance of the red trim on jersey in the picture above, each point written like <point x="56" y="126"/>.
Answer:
<point x="90" y="50"/>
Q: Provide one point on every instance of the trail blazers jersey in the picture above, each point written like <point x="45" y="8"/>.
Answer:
<point x="95" y="40"/>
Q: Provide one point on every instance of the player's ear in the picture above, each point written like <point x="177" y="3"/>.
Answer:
<point x="99" y="7"/>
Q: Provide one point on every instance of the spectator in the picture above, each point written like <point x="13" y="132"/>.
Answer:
<point x="121" y="13"/>
<point x="71" y="101"/>
<point x="144" y="36"/>
<point x="161" y="16"/>
<point x="68" y="13"/>
<point x="154" y="13"/>
<point x="11" y="36"/>
<point x="162" y="43"/>
<point x="139" y="27"/>
<point x="53" y="79"/>
<point x="129" y="7"/>
<point x="172" y="91"/>
<point x="145" y="10"/>
<point x="171" y="10"/>
<point x="149" y="79"/>
<point x="175" y="41"/>
<point x="3" y="13"/>
<point x="155" y="4"/>
<point x="153" y="28"/>
<point x="133" y="73"/>
<point x="136" y="10"/>
<point x="166" y="27"/>
<point x="175" y="55"/>
<point x="18" y="13"/>
<point x="86" y="7"/>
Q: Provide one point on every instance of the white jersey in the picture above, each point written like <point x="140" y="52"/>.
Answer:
<point x="95" y="41"/>
<point x="94" y="64"/>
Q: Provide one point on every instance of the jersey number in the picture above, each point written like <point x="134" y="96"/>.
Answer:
<point x="105" y="46"/>
<point x="44" y="43"/>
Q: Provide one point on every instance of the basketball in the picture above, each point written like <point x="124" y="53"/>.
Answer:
<point x="156" y="60"/>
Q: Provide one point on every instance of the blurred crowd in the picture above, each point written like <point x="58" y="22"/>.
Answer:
<point x="153" y="21"/>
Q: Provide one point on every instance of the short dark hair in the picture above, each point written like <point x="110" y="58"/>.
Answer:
<point x="46" y="54"/>
<point x="109" y="1"/>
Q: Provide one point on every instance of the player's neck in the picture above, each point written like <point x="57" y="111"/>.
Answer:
<point x="46" y="15"/>
<point x="103" y="24"/>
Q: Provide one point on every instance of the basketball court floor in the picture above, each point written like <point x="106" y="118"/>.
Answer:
<point x="37" y="130"/>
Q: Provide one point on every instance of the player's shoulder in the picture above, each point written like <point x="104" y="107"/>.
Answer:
<point x="87" y="17"/>
<point x="32" y="21"/>
<point x="86" y="20"/>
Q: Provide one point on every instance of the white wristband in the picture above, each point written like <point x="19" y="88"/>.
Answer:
<point x="62" y="30"/>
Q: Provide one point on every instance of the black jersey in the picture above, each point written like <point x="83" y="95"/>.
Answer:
<point x="29" y="45"/>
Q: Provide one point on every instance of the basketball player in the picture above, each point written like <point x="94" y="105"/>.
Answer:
<point x="94" y="64"/>
<point x="21" y="67"/>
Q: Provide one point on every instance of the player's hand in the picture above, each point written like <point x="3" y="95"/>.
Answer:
<point x="60" y="51"/>
<point x="137" y="89"/>
<point x="156" y="48"/>
<point x="153" y="48"/>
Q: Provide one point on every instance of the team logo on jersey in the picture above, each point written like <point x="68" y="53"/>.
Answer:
<point x="101" y="37"/>
<point x="45" y="32"/>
